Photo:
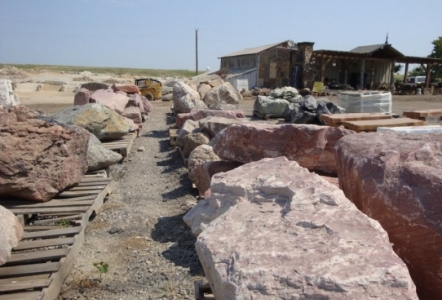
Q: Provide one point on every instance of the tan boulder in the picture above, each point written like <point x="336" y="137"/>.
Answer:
<point x="273" y="230"/>
<point x="193" y="140"/>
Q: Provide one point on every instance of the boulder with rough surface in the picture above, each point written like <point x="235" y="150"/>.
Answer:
<point x="201" y="154"/>
<point x="311" y="146"/>
<point x="190" y="126"/>
<point x="203" y="88"/>
<point x="103" y="122"/>
<point x="82" y="97"/>
<point x="180" y="119"/>
<point x="11" y="233"/>
<point x="396" y="179"/>
<point x="198" y="114"/>
<point x="133" y="113"/>
<point x="213" y="125"/>
<point x="202" y="174"/>
<point x="7" y="96"/>
<point x="99" y="157"/>
<point x="40" y="157"/>
<point x="185" y="98"/>
<point x="270" y="106"/>
<point x="113" y="100"/>
<point x="193" y="140"/>
<point x="273" y="230"/>
<point x="222" y="96"/>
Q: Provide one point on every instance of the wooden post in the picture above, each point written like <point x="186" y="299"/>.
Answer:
<point x="428" y="78"/>
<point x="406" y="73"/>
<point x="392" y="86"/>
<point x="323" y="65"/>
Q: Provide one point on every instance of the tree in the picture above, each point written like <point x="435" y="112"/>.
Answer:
<point x="418" y="71"/>
<point x="397" y="68"/>
<point x="436" y="70"/>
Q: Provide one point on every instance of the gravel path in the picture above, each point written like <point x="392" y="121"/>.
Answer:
<point x="139" y="231"/>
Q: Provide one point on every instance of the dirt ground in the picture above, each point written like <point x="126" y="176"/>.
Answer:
<point x="139" y="230"/>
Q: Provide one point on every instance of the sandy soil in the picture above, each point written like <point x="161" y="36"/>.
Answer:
<point x="139" y="231"/>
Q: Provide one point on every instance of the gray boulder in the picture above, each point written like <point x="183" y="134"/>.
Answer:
<point x="103" y="122"/>
<point x="190" y="126"/>
<point x="309" y="103"/>
<point x="223" y="96"/>
<point x="270" y="106"/>
<point x="185" y="98"/>
<point x="94" y="86"/>
<point x="99" y="157"/>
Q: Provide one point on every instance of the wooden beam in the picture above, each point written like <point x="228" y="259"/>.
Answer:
<point x="428" y="78"/>
<point x="424" y="68"/>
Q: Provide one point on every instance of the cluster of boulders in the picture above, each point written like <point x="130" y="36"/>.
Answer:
<point x="214" y="95"/>
<point x="294" y="107"/>
<point x="265" y="206"/>
<point x="125" y="99"/>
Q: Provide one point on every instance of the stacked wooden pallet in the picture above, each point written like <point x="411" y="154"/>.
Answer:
<point x="123" y="145"/>
<point x="54" y="234"/>
<point x="339" y="119"/>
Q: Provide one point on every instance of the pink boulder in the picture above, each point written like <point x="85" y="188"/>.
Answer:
<point x="82" y="97"/>
<point x="180" y="119"/>
<point x="273" y="230"/>
<point x="116" y="101"/>
<point x="133" y="113"/>
<point x="311" y="146"/>
<point x="39" y="158"/>
<point x="198" y="114"/>
<point x="126" y="88"/>
<point x="396" y="179"/>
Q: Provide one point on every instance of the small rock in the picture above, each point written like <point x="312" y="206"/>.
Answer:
<point x="114" y="230"/>
<point x="141" y="149"/>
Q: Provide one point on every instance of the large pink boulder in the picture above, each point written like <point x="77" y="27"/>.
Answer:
<point x="11" y="233"/>
<point x="310" y="145"/>
<point x="397" y="180"/>
<point x="82" y="97"/>
<point x="39" y="158"/>
<point x="198" y="114"/>
<point x="273" y="230"/>
<point x="116" y="101"/>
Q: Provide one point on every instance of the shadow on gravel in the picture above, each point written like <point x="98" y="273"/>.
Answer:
<point x="170" y="119"/>
<point x="157" y="134"/>
<point x="172" y="162"/>
<point x="182" y="252"/>
<point x="184" y="188"/>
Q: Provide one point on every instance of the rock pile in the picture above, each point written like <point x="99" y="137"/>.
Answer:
<point x="271" y="229"/>
<point x="396" y="179"/>
<point x="275" y="104"/>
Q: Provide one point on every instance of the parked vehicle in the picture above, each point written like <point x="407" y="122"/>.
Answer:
<point x="414" y="80"/>
<point x="149" y="88"/>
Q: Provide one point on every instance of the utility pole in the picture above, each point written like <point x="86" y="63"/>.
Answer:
<point x="196" y="50"/>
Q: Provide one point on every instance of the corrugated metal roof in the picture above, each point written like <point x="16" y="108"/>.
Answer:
<point x="254" y="50"/>
<point x="238" y="72"/>
<point x="367" y="49"/>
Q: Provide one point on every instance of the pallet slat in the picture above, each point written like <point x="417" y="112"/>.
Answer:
<point x="372" y="125"/>
<point x="52" y="210"/>
<point x="37" y="256"/>
<point x="29" y="269"/>
<point x="52" y="233"/>
<point x="22" y="296"/>
<point x="338" y="119"/>
<point x="24" y="285"/>
<point x="27" y="245"/>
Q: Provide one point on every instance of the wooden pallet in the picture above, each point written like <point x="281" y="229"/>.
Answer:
<point x="265" y="116"/>
<point x="422" y="114"/>
<point x="201" y="290"/>
<point x="173" y="134"/>
<point x="336" y="120"/>
<point x="53" y="236"/>
<point x="123" y="145"/>
<point x="372" y="125"/>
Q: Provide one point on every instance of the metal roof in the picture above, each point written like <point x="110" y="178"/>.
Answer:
<point x="238" y="72"/>
<point x="367" y="49"/>
<point x="255" y="50"/>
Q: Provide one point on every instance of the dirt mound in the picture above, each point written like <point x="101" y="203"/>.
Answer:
<point x="83" y="78"/>
<point x="13" y="72"/>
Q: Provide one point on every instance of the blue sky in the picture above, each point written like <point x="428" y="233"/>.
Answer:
<point x="161" y="34"/>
